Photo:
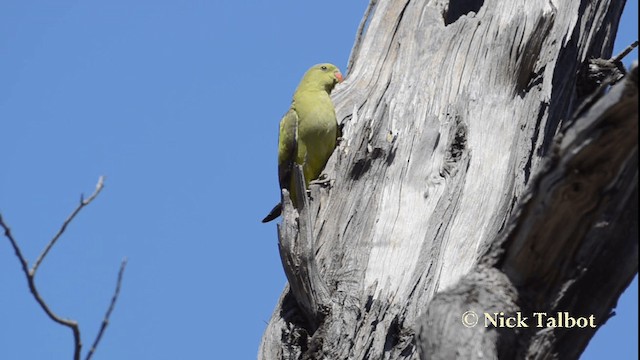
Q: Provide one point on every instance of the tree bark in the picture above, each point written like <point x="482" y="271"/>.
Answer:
<point x="472" y="176"/>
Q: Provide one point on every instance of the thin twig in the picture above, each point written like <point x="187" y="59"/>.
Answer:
<point x="625" y="52"/>
<point x="107" y="315"/>
<point x="75" y="212"/>
<point x="16" y="248"/>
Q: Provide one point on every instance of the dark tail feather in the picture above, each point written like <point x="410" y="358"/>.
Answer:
<point x="274" y="213"/>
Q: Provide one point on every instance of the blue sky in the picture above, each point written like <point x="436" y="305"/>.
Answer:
<point x="177" y="103"/>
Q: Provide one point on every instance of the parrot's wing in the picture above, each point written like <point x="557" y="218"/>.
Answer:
<point x="287" y="147"/>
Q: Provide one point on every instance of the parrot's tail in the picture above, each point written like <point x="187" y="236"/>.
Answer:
<point x="274" y="213"/>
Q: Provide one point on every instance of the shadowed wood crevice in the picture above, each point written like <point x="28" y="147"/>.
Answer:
<point x="457" y="8"/>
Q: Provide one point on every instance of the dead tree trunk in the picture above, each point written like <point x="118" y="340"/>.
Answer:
<point x="473" y="176"/>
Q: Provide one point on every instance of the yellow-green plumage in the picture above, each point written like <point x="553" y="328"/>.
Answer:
<point x="309" y="130"/>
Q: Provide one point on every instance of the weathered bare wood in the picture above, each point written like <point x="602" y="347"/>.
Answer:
<point x="442" y="333"/>
<point x="297" y="252"/>
<point x="450" y="109"/>
<point x="572" y="228"/>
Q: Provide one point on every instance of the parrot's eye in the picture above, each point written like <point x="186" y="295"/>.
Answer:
<point x="324" y="68"/>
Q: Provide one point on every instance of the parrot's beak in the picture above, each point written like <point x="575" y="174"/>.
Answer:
<point x="339" y="76"/>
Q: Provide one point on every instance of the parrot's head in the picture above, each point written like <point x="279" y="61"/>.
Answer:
<point x="322" y="76"/>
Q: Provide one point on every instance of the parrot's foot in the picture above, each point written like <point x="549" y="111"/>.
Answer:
<point x="322" y="180"/>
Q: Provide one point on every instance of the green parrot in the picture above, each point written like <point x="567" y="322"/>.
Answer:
<point x="308" y="131"/>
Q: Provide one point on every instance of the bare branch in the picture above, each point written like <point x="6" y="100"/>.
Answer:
<point x="107" y="315"/>
<point x="73" y="325"/>
<point x="75" y="212"/>
<point x="30" y="274"/>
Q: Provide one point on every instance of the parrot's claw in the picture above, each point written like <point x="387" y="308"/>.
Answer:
<point x="323" y="180"/>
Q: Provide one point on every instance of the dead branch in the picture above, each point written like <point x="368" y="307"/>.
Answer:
<point x="625" y="52"/>
<point x="31" y="274"/>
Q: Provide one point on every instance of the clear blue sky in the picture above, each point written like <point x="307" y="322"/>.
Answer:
<point x="177" y="103"/>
